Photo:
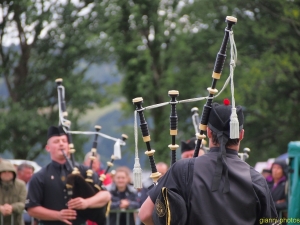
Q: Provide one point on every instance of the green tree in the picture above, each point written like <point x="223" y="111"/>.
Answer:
<point x="270" y="76"/>
<point x="41" y="41"/>
<point x="164" y="45"/>
<point x="147" y="38"/>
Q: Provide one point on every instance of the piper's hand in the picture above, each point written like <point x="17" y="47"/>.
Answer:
<point x="77" y="203"/>
<point x="65" y="215"/>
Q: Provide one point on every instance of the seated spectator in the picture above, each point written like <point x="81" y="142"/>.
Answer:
<point x="97" y="167"/>
<point x="12" y="195"/>
<point x="124" y="196"/>
<point x="277" y="183"/>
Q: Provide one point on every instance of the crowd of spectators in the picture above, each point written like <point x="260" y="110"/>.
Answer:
<point x="15" y="180"/>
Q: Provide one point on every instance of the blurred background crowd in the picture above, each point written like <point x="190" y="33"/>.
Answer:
<point x="126" y="200"/>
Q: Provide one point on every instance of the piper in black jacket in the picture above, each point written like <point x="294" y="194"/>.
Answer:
<point x="224" y="189"/>
<point x="47" y="198"/>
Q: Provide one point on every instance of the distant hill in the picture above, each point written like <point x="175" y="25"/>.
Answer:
<point x="109" y="117"/>
<point x="106" y="72"/>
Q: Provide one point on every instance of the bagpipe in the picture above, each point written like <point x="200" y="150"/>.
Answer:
<point x="79" y="185"/>
<point x="170" y="207"/>
<point x="195" y="119"/>
<point x="200" y="127"/>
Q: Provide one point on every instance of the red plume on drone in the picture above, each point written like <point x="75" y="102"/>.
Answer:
<point x="226" y="101"/>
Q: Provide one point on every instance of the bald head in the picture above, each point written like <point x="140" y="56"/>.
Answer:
<point x="162" y="168"/>
<point x="96" y="161"/>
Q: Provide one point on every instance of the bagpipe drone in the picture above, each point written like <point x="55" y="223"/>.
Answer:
<point x="83" y="186"/>
<point x="200" y="128"/>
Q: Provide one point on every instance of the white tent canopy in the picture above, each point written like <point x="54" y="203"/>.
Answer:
<point x="20" y="161"/>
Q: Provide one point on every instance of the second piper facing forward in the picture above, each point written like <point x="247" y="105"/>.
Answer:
<point x="47" y="198"/>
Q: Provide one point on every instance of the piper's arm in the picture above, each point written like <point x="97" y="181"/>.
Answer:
<point x="145" y="213"/>
<point x="98" y="200"/>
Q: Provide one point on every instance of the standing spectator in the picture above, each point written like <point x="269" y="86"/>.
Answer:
<point x="97" y="167"/>
<point x="12" y="195"/>
<point x="24" y="173"/>
<point x="124" y="196"/>
<point x="277" y="183"/>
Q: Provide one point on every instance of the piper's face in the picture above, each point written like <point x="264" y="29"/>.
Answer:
<point x="55" y="146"/>
<point x="121" y="179"/>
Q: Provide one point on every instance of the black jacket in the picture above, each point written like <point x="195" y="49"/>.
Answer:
<point x="248" y="202"/>
<point x="131" y="194"/>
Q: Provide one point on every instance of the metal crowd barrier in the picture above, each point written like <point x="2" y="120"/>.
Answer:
<point x="282" y="213"/>
<point x="12" y="219"/>
<point x="118" y="212"/>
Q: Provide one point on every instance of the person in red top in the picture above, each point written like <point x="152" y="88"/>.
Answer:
<point x="97" y="167"/>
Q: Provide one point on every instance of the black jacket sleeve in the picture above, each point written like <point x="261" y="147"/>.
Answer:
<point x="266" y="211"/>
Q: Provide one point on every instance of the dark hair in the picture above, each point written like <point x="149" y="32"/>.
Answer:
<point x="25" y="165"/>
<point x="229" y="142"/>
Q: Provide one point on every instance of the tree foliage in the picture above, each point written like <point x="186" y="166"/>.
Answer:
<point x="158" y="45"/>
<point x="164" y="45"/>
<point x="41" y="41"/>
<point x="270" y="77"/>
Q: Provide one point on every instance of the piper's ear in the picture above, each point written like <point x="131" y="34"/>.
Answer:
<point x="208" y="131"/>
<point x="242" y="132"/>
<point x="47" y="148"/>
